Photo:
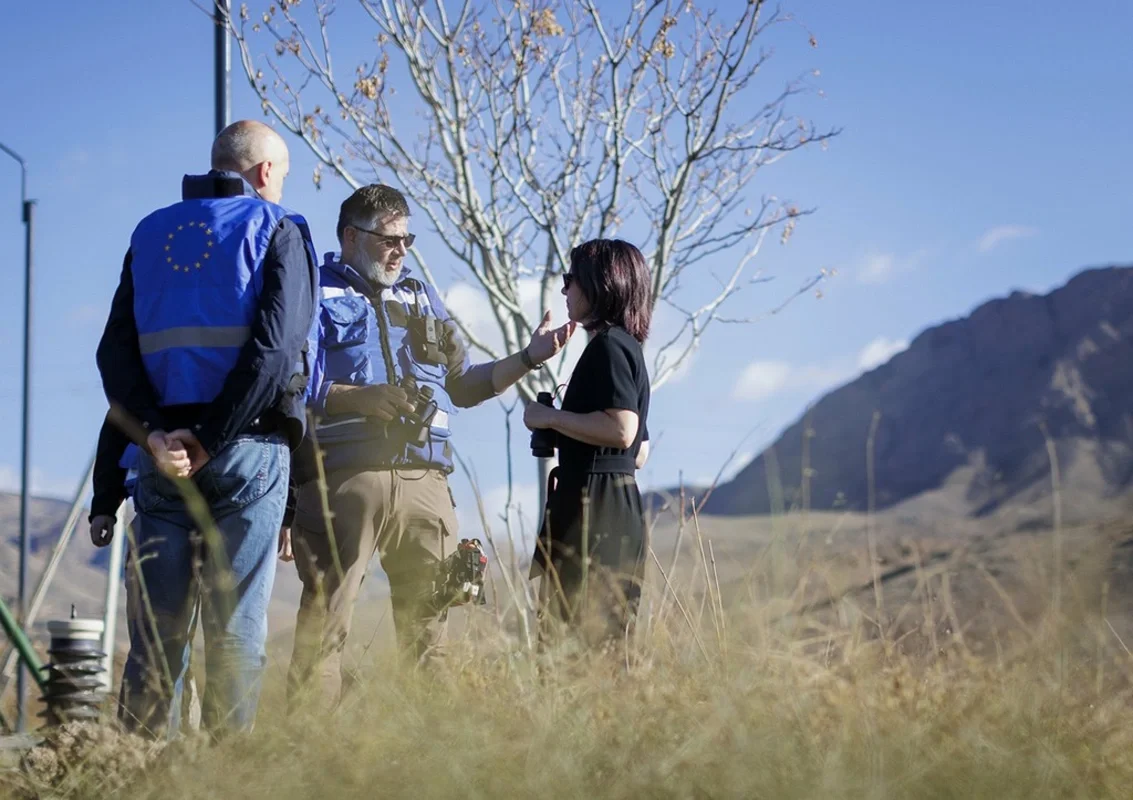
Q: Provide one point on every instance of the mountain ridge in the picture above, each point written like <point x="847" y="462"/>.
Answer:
<point x="975" y="393"/>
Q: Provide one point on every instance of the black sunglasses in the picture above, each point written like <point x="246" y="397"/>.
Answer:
<point x="407" y="239"/>
<point x="568" y="278"/>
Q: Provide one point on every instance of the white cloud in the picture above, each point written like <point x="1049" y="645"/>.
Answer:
<point x="761" y="379"/>
<point x="877" y="268"/>
<point x="523" y="513"/>
<point x="880" y="267"/>
<point x="524" y="509"/>
<point x="996" y="236"/>
<point x="469" y="302"/>
<point x="879" y="351"/>
<point x="471" y="307"/>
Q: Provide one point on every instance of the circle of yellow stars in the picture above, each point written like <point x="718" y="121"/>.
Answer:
<point x="204" y="255"/>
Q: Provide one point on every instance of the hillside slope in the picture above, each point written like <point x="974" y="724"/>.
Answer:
<point x="963" y="408"/>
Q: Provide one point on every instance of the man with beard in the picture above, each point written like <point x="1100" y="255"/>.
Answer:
<point x="384" y="341"/>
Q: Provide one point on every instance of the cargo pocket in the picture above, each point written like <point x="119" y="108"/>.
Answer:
<point x="345" y="339"/>
<point x="441" y="505"/>
<point x="449" y="524"/>
<point x="348" y="320"/>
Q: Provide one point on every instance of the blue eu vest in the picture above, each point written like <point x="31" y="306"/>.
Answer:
<point x="198" y="272"/>
<point x="351" y="344"/>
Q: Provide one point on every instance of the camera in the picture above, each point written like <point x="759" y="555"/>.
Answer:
<point x="416" y="423"/>
<point x="460" y="578"/>
<point x="543" y="440"/>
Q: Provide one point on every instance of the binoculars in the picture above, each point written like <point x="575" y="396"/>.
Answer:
<point x="416" y="423"/>
<point x="543" y="441"/>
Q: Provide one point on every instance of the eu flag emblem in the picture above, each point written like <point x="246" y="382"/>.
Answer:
<point x="188" y="250"/>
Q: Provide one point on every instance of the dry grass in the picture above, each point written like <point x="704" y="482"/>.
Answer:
<point x="723" y="698"/>
<point x="799" y="656"/>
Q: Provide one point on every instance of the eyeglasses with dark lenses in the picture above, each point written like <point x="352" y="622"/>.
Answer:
<point x="568" y="278"/>
<point x="407" y="239"/>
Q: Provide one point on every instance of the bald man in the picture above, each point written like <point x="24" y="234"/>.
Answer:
<point x="205" y="347"/>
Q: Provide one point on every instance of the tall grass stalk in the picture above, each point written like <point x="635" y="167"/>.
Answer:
<point x="802" y="698"/>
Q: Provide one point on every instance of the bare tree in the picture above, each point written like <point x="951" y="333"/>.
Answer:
<point x="531" y="125"/>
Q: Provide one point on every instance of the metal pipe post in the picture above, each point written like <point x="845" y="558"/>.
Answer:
<point x="28" y="207"/>
<point x="113" y="581"/>
<point x="222" y="63"/>
<point x="25" y="450"/>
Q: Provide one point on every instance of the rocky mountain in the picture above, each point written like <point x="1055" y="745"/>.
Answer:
<point x="961" y="414"/>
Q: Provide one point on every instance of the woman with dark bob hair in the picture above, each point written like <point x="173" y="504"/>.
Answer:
<point x="593" y="532"/>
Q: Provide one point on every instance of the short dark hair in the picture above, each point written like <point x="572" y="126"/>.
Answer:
<point x="369" y="203"/>
<point x="615" y="280"/>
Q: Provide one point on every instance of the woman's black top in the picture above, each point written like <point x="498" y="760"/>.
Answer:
<point x="611" y="374"/>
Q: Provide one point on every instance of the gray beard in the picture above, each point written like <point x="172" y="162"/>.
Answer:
<point x="376" y="275"/>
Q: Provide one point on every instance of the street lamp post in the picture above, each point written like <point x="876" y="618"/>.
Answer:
<point x="222" y="59"/>
<point x="28" y="207"/>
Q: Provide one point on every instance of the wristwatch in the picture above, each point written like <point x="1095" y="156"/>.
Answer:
<point x="526" y="359"/>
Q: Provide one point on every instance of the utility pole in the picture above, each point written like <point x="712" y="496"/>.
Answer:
<point x="223" y="63"/>
<point x="28" y="210"/>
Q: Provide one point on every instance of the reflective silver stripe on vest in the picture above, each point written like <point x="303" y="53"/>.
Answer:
<point x="193" y="337"/>
<point x="351" y="421"/>
<point x="439" y="422"/>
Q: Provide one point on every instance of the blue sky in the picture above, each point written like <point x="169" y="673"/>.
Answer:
<point x="980" y="153"/>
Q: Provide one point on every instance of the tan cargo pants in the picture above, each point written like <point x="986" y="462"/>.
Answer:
<point x="407" y="518"/>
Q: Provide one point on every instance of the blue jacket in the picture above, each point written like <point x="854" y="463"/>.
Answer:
<point x="347" y="340"/>
<point x="259" y="390"/>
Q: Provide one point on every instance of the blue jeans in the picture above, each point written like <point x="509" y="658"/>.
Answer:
<point x="245" y="489"/>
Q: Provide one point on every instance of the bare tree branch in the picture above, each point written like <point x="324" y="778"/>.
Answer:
<point x="521" y="127"/>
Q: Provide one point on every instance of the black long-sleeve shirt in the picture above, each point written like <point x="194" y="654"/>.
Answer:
<point x="257" y="386"/>
<point x="109" y="478"/>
